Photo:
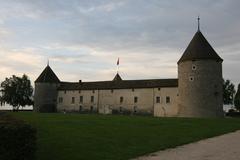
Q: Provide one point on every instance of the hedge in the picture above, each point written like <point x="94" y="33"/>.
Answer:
<point x="17" y="139"/>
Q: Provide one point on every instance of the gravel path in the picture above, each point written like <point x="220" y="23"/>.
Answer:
<point x="225" y="147"/>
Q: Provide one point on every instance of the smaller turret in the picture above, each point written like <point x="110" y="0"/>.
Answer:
<point x="117" y="77"/>
<point x="45" y="96"/>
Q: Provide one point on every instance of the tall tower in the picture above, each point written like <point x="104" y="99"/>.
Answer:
<point x="200" y="80"/>
<point x="45" y="95"/>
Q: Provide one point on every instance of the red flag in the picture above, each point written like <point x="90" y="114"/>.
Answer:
<point x="118" y="61"/>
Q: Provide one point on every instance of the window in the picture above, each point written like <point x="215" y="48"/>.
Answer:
<point x="194" y="67"/>
<point x="93" y="91"/>
<point x="135" y="99"/>
<point x="121" y="99"/>
<point x="157" y="99"/>
<point x="159" y="89"/>
<point x="133" y="89"/>
<point x="92" y="98"/>
<point x="191" y="78"/>
<point x="81" y="99"/>
<point x="80" y="108"/>
<point x="73" y="100"/>
<point x="91" y="108"/>
<point x="168" y="99"/>
<point x="65" y="92"/>
<point x="111" y="90"/>
<point x="60" y="99"/>
<point x="79" y="91"/>
<point x="135" y="109"/>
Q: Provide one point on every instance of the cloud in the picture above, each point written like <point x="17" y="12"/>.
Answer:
<point x="19" y="62"/>
<point x="83" y="39"/>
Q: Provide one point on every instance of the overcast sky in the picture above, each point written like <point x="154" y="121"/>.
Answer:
<point x="83" y="38"/>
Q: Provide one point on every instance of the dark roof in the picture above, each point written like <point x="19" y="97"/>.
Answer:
<point x="199" y="48"/>
<point x="123" y="84"/>
<point x="47" y="76"/>
<point x="117" y="78"/>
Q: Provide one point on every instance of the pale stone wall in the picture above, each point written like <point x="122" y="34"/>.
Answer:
<point x="86" y="105"/>
<point x="200" y="88"/>
<point x="111" y="99"/>
<point x="164" y="109"/>
<point x="108" y="101"/>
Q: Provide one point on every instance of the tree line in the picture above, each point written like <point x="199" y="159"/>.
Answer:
<point x="230" y="96"/>
<point x="18" y="91"/>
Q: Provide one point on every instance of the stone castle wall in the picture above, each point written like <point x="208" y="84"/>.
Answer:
<point x="200" y="88"/>
<point x="108" y="101"/>
<point x="45" y="97"/>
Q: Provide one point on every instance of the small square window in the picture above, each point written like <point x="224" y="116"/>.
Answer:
<point x="159" y="89"/>
<point x="65" y="92"/>
<point x="191" y="78"/>
<point x="60" y="99"/>
<point x="194" y="67"/>
<point x="92" y="98"/>
<point x="157" y="99"/>
<point x="73" y="100"/>
<point x="168" y="99"/>
<point x="121" y="99"/>
<point x="133" y="89"/>
<point x="135" y="99"/>
<point x="79" y="91"/>
<point x="80" y="108"/>
<point x="81" y="99"/>
<point x="111" y="90"/>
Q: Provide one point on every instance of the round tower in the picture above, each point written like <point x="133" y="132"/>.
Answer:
<point x="200" y="80"/>
<point x="45" y="94"/>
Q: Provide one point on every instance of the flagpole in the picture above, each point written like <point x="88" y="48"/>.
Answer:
<point x="117" y="68"/>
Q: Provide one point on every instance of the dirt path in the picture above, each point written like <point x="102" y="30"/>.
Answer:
<point x="225" y="147"/>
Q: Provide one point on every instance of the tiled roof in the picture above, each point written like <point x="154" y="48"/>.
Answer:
<point x="199" y="48"/>
<point x="123" y="84"/>
<point x="47" y="76"/>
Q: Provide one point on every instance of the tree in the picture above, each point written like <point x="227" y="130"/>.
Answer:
<point x="228" y="92"/>
<point x="237" y="98"/>
<point x="17" y="91"/>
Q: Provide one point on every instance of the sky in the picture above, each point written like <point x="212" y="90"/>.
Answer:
<point x="82" y="39"/>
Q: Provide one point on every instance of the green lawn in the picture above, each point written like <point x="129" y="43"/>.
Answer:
<point x="77" y="136"/>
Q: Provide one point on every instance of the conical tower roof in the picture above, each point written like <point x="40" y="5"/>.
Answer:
<point x="199" y="49"/>
<point x="47" y="76"/>
<point x="117" y="78"/>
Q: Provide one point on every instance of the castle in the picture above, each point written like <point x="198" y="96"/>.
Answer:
<point x="196" y="93"/>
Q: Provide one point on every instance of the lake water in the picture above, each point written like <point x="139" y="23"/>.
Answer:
<point x="9" y="107"/>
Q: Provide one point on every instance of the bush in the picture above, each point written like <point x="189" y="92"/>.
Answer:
<point x="48" y="108"/>
<point x="233" y="113"/>
<point x="17" y="139"/>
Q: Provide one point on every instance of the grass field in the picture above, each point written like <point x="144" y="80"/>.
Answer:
<point x="103" y="137"/>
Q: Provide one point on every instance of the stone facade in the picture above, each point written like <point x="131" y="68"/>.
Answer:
<point x="132" y="101"/>
<point x="196" y="93"/>
<point x="45" y="99"/>
<point x="200" y="88"/>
